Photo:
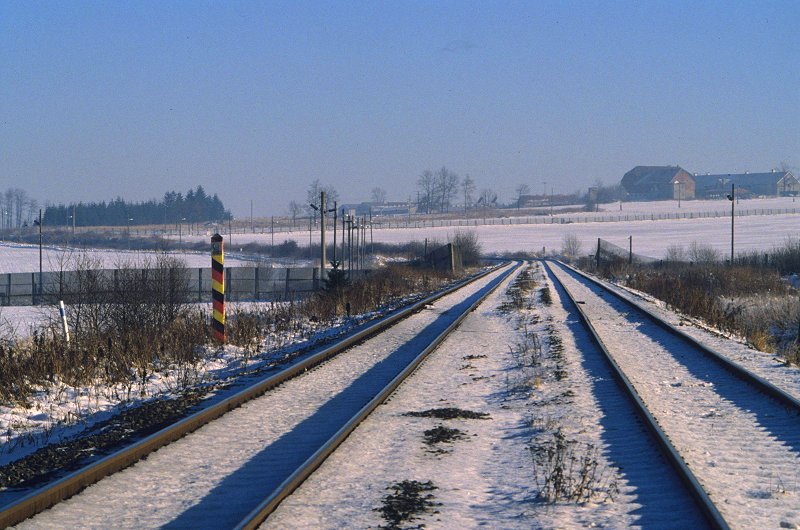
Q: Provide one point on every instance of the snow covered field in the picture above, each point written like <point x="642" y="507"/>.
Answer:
<point x="25" y="258"/>
<point x="651" y="238"/>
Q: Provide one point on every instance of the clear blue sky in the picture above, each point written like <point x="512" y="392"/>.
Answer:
<point x="254" y="100"/>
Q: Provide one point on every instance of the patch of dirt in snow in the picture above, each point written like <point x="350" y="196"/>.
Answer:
<point x="442" y="434"/>
<point x="410" y="499"/>
<point x="449" y="413"/>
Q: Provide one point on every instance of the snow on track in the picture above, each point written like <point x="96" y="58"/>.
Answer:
<point x="487" y="480"/>
<point x="741" y="445"/>
<point x="215" y="476"/>
<point x="653" y="495"/>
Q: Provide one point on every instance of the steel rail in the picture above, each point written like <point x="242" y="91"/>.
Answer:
<point x="268" y="505"/>
<point x="57" y="491"/>
<point x="739" y="371"/>
<point x="669" y="451"/>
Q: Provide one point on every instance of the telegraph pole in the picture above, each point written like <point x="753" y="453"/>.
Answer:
<point x="322" y="259"/>
<point x="731" y="198"/>
<point x="40" y="254"/>
<point x="344" y="237"/>
<point x="334" y="263"/>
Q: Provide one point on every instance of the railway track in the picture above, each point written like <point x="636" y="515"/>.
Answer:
<point x="733" y="437"/>
<point x="230" y="465"/>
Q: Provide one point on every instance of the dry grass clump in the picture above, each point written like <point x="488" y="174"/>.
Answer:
<point x="567" y="471"/>
<point x="741" y="300"/>
<point x="518" y="295"/>
<point x="122" y="329"/>
<point x="381" y="287"/>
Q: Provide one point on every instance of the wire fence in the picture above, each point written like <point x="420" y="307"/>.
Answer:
<point x="241" y="283"/>
<point x="607" y="251"/>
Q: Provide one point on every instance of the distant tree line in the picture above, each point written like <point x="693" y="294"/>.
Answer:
<point x="195" y="206"/>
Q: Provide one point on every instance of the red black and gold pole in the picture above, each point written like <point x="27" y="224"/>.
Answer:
<point x="218" y="286"/>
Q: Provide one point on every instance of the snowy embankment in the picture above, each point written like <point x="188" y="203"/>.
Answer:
<point x="769" y="366"/>
<point x="199" y="481"/>
<point x="60" y="412"/>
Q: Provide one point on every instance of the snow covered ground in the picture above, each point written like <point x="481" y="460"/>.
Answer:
<point x="487" y="478"/>
<point x="720" y="207"/>
<point x="59" y="411"/>
<point x="484" y="476"/>
<point x="650" y="238"/>
<point x="741" y="447"/>
<point x="214" y="476"/>
<point x="25" y="258"/>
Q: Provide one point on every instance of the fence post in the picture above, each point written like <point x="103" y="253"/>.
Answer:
<point x="255" y="286"/>
<point x="597" y="256"/>
<point x="218" y="286"/>
<point x="630" y="250"/>
<point x="62" y="310"/>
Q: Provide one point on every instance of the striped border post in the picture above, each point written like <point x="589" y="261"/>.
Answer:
<point x="218" y="286"/>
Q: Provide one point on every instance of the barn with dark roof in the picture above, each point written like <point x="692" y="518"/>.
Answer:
<point x="774" y="183"/>
<point x="658" y="183"/>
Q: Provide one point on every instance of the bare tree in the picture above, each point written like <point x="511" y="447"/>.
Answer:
<point x="331" y="196"/>
<point x="468" y="186"/>
<point x="8" y="206"/>
<point x="446" y="185"/>
<point x="522" y="189"/>
<point x="33" y="206"/>
<point x="427" y="188"/>
<point x="703" y="253"/>
<point x="20" y="202"/>
<point x="570" y="246"/>
<point x="488" y="197"/>
<point x="294" y="210"/>
<point x="675" y="253"/>
<point x="379" y="195"/>
<point x="312" y="198"/>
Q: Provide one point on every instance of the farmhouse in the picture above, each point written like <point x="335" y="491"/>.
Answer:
<point x="658" y="182"/>
<point x="774" y="183"/>
<point x="532" y="201"/>
<point x="379" y="208"/>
